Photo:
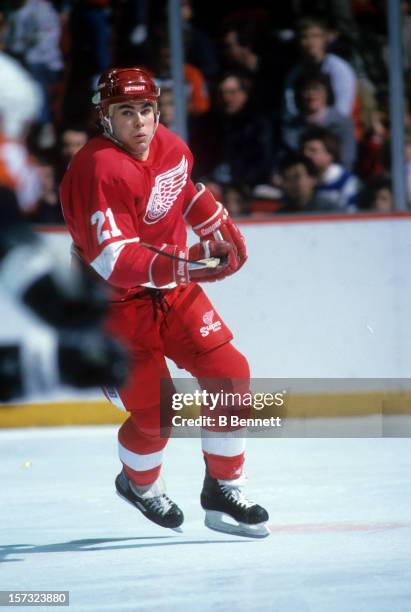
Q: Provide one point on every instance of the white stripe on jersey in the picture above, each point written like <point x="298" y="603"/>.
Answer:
<point x="104" y="263"/>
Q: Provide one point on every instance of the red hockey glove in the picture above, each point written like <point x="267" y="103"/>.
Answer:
<point x="205" y="261"/>
<point x="210" y="220"/>
<point x="207" y="250"/>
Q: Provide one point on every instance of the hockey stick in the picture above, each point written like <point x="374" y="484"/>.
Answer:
<point x="209" y="262"/>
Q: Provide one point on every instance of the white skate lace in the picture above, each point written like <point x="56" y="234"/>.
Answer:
<point x="161" y="504"/>
<point x="237" y="496"/>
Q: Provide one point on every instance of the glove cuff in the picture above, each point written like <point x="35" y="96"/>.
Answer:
<point x="204" y="213"/>
<point x="165" y="270"/>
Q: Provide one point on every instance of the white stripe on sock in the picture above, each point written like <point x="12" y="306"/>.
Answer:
<point x="226" y="444"/>
<point x="139" y="463"/>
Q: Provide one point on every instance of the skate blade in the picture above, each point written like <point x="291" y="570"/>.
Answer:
<point x="215" y="520"/>
<point x="177" y="529"/>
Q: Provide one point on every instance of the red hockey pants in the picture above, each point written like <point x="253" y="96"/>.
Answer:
<point x="184" y="327"/>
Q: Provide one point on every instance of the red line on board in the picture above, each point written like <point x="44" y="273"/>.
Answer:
<point x="334" y="527"/>
<point x="281" y="220"/>
<point x="327" y="218"/>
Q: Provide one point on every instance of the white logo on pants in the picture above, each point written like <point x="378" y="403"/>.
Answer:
<point x="210" y="326"/>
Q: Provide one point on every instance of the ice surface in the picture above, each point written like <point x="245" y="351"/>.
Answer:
<point x="339" y="513"/>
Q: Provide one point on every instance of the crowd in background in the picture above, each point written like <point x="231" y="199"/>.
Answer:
<point x="287" y="105"/>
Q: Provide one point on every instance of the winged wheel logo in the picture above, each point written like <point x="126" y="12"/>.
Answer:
<point x="165" y="191"/>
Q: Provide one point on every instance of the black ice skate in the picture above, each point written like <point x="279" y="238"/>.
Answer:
<point x="153" y="502"/>
<point x="229" y="511"/>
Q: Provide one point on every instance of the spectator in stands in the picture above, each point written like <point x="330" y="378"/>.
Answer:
<point x="243" y="138"/>
<point x="387" y="160"/>
<point x="72" y="138"/>
<point x="48" y="209"/>
<point x="132" y="39"/>
<point x="33" y="37"/>
<point x="299" y="178"/>
<point x="373" y="145"/>
<point x="198" y="97"/>
<point x="312" y="37"/>
<point x="244" y="51"/>
<point x="338" y="188"/>
<point x="236" y="200"/>
<point x="90" y="30"/>
<point x="166" y="108"/>
<point x="200" y="50"/>
<point x="406" y="35"/>
<point x="408" y="164"/>
<point x="377" y="195"/>
<point x="240" y="48"/>
<point x="314" y="101"/>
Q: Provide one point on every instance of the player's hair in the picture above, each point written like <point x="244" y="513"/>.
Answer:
<point x="152" y="103"/>
<point x="296" y="158"/>
<point x="330" y="141"/>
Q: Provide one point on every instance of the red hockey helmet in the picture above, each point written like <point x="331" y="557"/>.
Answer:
<point x="124" y="84"/>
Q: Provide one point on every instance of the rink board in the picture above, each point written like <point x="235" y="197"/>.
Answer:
<point x="319" y="297"/>
<point x="302" y="408"/>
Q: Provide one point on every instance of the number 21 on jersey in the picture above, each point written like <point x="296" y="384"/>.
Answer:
<point x="99" y="218"/>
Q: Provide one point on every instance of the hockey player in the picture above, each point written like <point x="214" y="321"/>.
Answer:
<point x="127" y="197"/>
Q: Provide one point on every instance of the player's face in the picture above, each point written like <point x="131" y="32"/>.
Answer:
<point x="134" y="124"/>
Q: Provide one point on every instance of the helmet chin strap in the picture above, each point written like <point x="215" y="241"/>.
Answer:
<point x="108" y="129"/>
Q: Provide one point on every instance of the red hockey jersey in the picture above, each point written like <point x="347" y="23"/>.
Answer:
<point x="113" y="202"/>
